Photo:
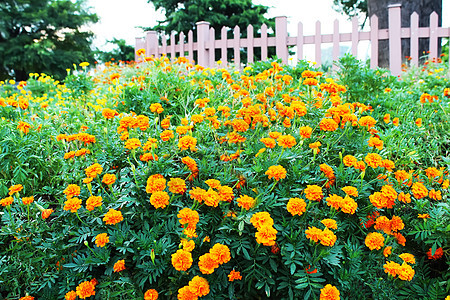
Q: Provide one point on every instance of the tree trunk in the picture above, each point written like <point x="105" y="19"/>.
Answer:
<point x="423" y="7"/>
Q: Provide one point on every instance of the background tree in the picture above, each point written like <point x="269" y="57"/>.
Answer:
<point x="43" y="36"/>
<point x="121" y="51"/>
<point x="379" y="7"/>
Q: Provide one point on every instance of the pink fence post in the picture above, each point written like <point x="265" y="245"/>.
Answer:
<point x="264" y="42"/>
<point x="300" y="41"/>
<point x="281" y="36"/>
<point x="181" y="44"/>
<point x="355" y="36"/>
<point x="190" y="46"/>
<point x="318" y="44"/>
<point x="223" y="34"/>
<point x="236" y="47"/>
<point x="202" y="39"/>
<point x="414" y="40"/>
<point x="335" y="43"/>
<point x="395" y="45"/>
<point x="250" y="44"/>
<point x="212" y="47"/>
<point x="373" y="42"/>
<point x="172" y="46"/>
<point x="151" y="43"/>
<point x="433" y="35"/>
<point x="138" y="44"/>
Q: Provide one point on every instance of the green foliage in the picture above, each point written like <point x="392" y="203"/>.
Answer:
<point x="43" y="36"/>
<point x="121" y="52"/>
<point x="351" y="7"/>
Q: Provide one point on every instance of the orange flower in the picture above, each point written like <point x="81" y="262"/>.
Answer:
<point x="373" y="160"/>
<point x="188" y="216"/>
<point x="435" y="195"/>
<point x="276" y="172"/>
<point x="199" y="286"/>
<point x="92" y="202"/>
<point x="266" y="235"/>
<point x="387" y="251"/>
<point x="207" y="263"/>
<point x="109" y="179"/>
<point x="46" y="213"/>
<point x="315" y="147"/>
<point x="69" y="155"/>
<point x="85" y="289"/>
<point x="367" y="121"/>
<point x="405" y="198"/>
<point x="419" y="122"/>
<point x="221" y="253"/>
<point x="101" y="239"/>
<point x="375" y="142"/>
<point x="286" y="141"/>
<point x="296" y="206"/>
<point x="313" y="233"/>
<point x="109" y="113"/>
<point x="387" y="118"/>
<point x="374" y="240"/>
<point x="15" y="189"/>
<point x="329" y="223"/>
<point x="190" y="163"/>
<point x="132" y="144"/>
<point x="334" y="201"/>
<point x="419" y="190"/>
<point x="185" y="293"/>
<point x="226" y="193"/>
<point x="400" y="238"/>
<point x="261" y="219"/>
<point x="155" y="183"/>
<point x="329" y="292"/>
<point x="327" y="238"/>
<point x="165" y="123"/>
<point x="349" y="160"/>
<point x="391" y="268"/>
<point x="7" y="201"/>
<point x="72" y="204"/>
<point x="405" y="272"/>
<point x="395" y="121"/>
<point x="119" y="266"/>
<point x="159" y="199"/>
<point x="408" y="258"/>
<point x="348" y="205"/>
<point x="93" y="170"/>
<point x="423" y="216"/>
<point x="351" y="191"/>
<point x="268" y="142"/>
<point x="24" y="127"/>
<point x="313" y="192"/>
<point x="328" y="125"/>
<point x="112" y="217"/>
<point x="27" y="298"/>
<point x="437" y="254"/>
<point x="187" y="142"/>
<point x="156" y="107"/>
<point x="177" y="185"/>
<point x="72" y="295"/>
<point x="211" y="198"/>
<point x="305" y="132"/>
<point x="234" y="275"/>
<point x="166" y="135"/>
<point x="151" y="294"/>
<point x="72" y="190"/>
<point x="327" y="170"/>
<point x="396" y="223"/>
<point x="245" y="202"/>
<point x="27" y="200"/>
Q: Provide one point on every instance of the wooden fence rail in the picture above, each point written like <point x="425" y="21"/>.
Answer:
<point x="206" y="43"/>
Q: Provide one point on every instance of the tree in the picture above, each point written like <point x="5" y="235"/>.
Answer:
<point x="43" y="36"/>
<point x="379" y="7"/>
<point x="122" y="52"/>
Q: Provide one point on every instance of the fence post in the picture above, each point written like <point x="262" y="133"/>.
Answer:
<point x="395" y="42"/>
<point x="281" y="38"/>
<point x="373" y="42"/>
<point x="151" y="43"/>
<point x="202" y="40"/>
<point x="139" y="43"/>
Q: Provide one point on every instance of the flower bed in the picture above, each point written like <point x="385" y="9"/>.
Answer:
<point x="169" y="180"/>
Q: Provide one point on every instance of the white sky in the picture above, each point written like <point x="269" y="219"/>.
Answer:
<point x="118" y="18"/>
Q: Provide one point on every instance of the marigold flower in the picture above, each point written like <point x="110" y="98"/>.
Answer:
<point x="188" y="216"/>
<point x="72" y="295"/>
<point x="395" y="122"/>
<point x="151" y="294"/>
<point x="245" y="202"/>
<point x="109" y="179"/>
<point x="93" y="202"/>
<point x="391" y="268"/>
<point x="329" y="223"/>
<point x="327" y="170"/>
<point x="367" y="121"/>
<point x="261" y="219"/>
<point x="221" y="253"/>
<point x="350" y="191"/>
<point x="296" y="206"/>
<point x="305" y="132"/>
<point x="108" y="113"/>
<point x="85" y="289"/>
<point x="159" y="199"/>
<point x="397" y="223"/>
<point x="315" y="147"/>
<point x="405" y="272"/>
<point x="276" y="172"/>
<point x="185" y="293"/>
<point x="69" y="155"/>
<point x="374" y="240"/>
<point x="405" y="198"/>
<point x="72" y="190"/>
<point x="373" y="160"/>
<point x="286" y="141"/>
<point x="46" y="213"/>
<point x="418" y="122"/>
<point x="313" y="233"/>
<point x="387" y="164"/>
<point x="387" y="118"/>
<point x="211" y="198"/>
<point x="132" y="144"/>
<point x="268" y="142"/>
<point x="207" y="263"/>
<point x="400" y="238"/>
<point x="226" y="193"/>
<point x="15" y="189"/>
<point x="187" y="142"/>
<point x="349" y="160"/>
<point x="419" y="190"/>
<point x="437" y="254"/>
<point x="383" y="223"/>
<point x="188" y="245"/>
<point x="119" y="266"/>
<point x="408" y="258"/>
<point x="94" y="170"/>
<point x="24" y="127"/>
<point x="166" y="135"/>
<point x="155" y="183"/>
<point x="327" y="238"/>
<point x="266" y="235"/>
<point x="234" y="275"/>
<point x="27" y="200"/>
<point x="423" y="216"/>
<point x="376" y="143"/>
<point x="72" y="204"/>
<point x="177" y="185"/>
<point x="199" y="286"/>
<point x="328" y="125"/>
<point x="27" y="298"/>
<point x="435" y="195"/>
<point x="313" y="192"/>
<point x="387" y="251"/>
<point x="112" y="217"/>
<point x="329" y="292"/>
